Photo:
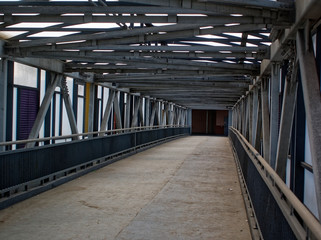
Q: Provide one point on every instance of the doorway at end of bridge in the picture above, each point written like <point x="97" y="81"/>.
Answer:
<point x="210" y="122"/>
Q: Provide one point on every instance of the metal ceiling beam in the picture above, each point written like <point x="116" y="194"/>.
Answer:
<point x="96" y="9"/>
<point x="254" y="3"/>
<point x="99" y="57"/>
<point x="215" y="8"/>
<point x="140" y="19"/>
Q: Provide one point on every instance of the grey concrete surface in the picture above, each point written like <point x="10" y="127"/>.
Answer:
<point x="184" y="189"/>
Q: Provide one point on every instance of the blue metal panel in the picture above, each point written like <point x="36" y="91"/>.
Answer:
<point x="23" y="165"/>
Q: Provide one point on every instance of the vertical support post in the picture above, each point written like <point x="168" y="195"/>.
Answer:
<point x="152" y="117"/>
<point x="258" y="131"/>
<point x="117" y="112"/>
<point x="128" y="104"/>
<point x="70" y="113"/>
<point x="250" y="107"/>
<point x="274" y="113"/>
<point x="239" y="116"/>
<point x="247" y="102"/>
<point x="255" y="112"/>
<point x="43" y="110"/>
<point x="3" y="99"/>
<point x="147" y="112"/>
<point x="288" y="110"/>
<point x="136" y="110"/>
<point x="312" y="102"/>
<point x="159" y="113"/>
<point x="89" y="107"/>
<point x="107" y="112"/>
<point x="265" y="118"/>
<point x="141" y="113"/>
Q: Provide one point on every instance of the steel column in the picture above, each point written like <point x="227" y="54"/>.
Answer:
<point x="136" y="110"/>
<point x="104" y="122"/>
<point x="312" y="102"/>
<point x="274" y="112"/>
<point x="117" y="112"/>
<point x="3" y="99"/>
<point x="128" y="115"/>
<point x="265" y="118"/>
<point x="43" y="110"/>
<point x="287" y="115"/>
<point x="69" y="110"/>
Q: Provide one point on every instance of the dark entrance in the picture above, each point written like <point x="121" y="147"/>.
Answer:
<point x="212" y="122"/>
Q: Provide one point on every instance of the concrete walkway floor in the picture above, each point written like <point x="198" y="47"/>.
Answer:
<point x="184" y="189"/>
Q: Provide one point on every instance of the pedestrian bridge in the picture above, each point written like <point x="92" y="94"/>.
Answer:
<point x="164" y="119"/>
<point x="148" y="184"/>
<point x="184" y="189"/>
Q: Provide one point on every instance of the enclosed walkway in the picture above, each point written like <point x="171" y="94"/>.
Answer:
<point x="183" y="189"/>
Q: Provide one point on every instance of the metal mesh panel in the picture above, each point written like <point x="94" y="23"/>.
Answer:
<point x="272" y="222"/>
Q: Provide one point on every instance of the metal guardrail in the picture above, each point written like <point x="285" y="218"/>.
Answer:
<point x="30" y="171"/>
<point x="301" y="221"/>
<point x="87" y="135"/>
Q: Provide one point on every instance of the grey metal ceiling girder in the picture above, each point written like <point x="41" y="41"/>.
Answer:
<point x="197" y="53"/>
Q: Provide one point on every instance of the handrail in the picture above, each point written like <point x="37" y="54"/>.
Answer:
<point x="311" y="224"/>
<point x="100" y="133"/>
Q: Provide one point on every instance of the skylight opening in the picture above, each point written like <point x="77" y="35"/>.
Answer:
<point x="266" y="43"/>
<point x="156" y="14"/>
<point x="34" y="25"/>
<point x="253" y="37"/>
<point x="238" y="35"/>
<point x="265" y="34"/>
<point x="71" y="50"/>
<point x="79" y="41"/>
<point x="191" y="15"/>
<point x="93" y="25"/>
<point x="206" y="27"/>
<point x="228" y="61"/>
<point x="103" y="50"/>
<point x="215" y="44"/>
<point x="204" y="61"/>
<point x="52" y="34"/>
<point x="199" y="51"/>
<point x="121" y="64"/>
<point x="232" y="24"/>
<point x="163" y="24"/>
<point x="25" y="14"/>
<point x="103" y="64"/>
<point x="210" y="36"/>
<point x="224" y="52"/>
<point x="236" y="15"/>
<point x="10" y="34"/>
<point x="248" y="62"/>
<point x="72" y="14"/>
<point x="251" y="45"/>
<point x="162" y="32"/>
<point x="99" y="14"/>
<point x="237" y="43"/>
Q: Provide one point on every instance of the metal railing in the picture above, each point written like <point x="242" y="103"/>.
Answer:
<point x="29" y="171"/>
<point x="9" y="145"/>
<point x="302" y="222"/>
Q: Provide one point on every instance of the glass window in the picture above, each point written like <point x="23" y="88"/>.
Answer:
<point x="25" y="75"/>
